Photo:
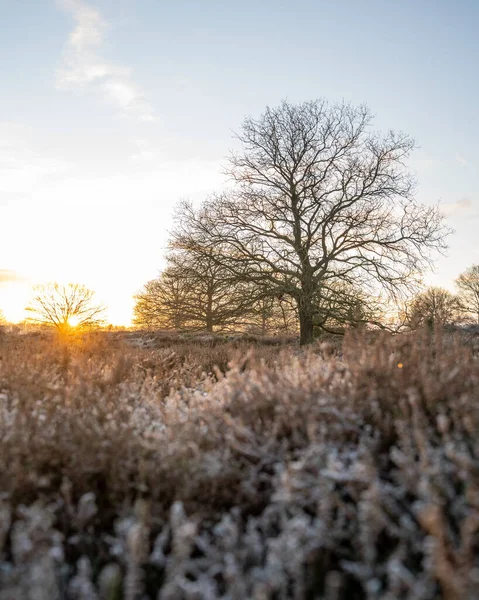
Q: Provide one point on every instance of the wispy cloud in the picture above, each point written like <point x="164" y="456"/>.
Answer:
<point x="461" y="160"/>
<point x="83" y="65"/>
<point x="8" y="276"/>
<point x="454" y="209"/>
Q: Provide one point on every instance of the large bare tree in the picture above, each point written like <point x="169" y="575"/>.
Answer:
<point x="65" y="307"/>
<point x="318" y="198"/>
<point x="468" y="284"/>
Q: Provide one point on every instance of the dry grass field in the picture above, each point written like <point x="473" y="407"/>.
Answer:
<point x="145" y="466"/>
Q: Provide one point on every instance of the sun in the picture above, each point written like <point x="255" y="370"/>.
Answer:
<point x="74" y="321"/>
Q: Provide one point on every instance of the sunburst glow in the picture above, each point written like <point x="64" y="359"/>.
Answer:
<point x="74" y="321"/>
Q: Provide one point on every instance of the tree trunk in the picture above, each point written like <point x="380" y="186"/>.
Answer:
<point x="305" y="305"/>
<point x="263" y="318"/>
<point x="209" y="312"/>
<point x="305" y="324"/>
<point x="209" y="323"/>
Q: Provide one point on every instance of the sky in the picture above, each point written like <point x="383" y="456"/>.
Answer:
<point x="112" y="111"/>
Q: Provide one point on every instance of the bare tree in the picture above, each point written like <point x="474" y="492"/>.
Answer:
<point x="65" y="307"/>
<point x="341" y="305"/>
<point x="434" y="306"/>
<point x="271" y="315"/>
<point x="318" y="199"/>
<point x="468" y="284"/>
<point x="194" y="292"/>
<point x="215" y="300"/>
<point x="161" y="304"/>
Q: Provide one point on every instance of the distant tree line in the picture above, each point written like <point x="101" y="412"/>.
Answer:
<point x="320" y="230"/>
<point x="201" y="295"/>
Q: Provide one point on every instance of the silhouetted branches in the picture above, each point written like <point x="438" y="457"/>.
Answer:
<point x="65" y="307"/>
<point x="318" y="201"/>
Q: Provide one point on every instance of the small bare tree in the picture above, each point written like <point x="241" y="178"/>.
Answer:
<point x="434" y="306"/>
<point x="318" y="198"/>
<point x="216" y="300"/>
<point x="342" y="305"/>
<point x="468" y="284"/>
<point x="193" y="292"/>
<point x="65" y="307"/>
<point x="272" y="315"/>
<point x="161" y="304"/>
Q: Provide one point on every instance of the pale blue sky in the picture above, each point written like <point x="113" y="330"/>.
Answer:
<point x="113" y="110"/>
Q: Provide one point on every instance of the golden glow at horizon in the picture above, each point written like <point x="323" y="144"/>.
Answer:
<point x="73" y="321"/>
<point x="13" y="299"/>
<point x="16" y="295"/>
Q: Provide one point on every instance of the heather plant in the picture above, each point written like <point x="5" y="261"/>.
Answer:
<point x="212" y="468"/>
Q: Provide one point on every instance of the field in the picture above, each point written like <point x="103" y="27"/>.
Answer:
<point x="146" y="466"/>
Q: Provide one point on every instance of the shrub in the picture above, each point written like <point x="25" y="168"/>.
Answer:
<point x="141" y="472"/>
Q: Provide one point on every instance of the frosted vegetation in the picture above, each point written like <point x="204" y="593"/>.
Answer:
<point x="147" y="466"/>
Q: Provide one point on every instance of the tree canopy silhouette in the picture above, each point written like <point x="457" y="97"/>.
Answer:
<point x="468" y="284"/>
<point x="318" y="200"/>
<point x="434" y="306"/>
<point x="65" y="307"/>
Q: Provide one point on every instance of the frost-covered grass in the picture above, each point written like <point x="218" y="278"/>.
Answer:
<point x="139" y="468"/>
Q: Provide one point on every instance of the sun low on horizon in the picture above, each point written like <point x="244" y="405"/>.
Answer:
<point x="15" y="298"/>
